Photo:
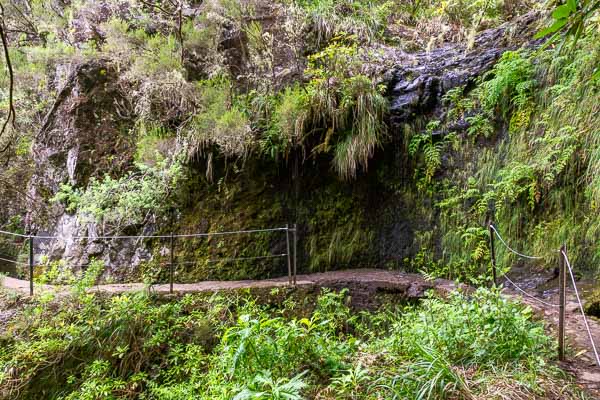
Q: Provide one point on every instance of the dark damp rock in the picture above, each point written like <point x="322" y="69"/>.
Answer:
<point x="419" y="81"/>
<point x="83" y="136"/>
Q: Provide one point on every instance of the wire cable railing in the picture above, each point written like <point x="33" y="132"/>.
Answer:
<point x="12" y="261"/>
<point x="291" y="234"/>
<point x="585" y="321"/>
<point x="529" y="295"/>
<point x="562" y="290"/>
<point x="521" y="290"/>
<point x="111" y="237"/>
<point x="513" y="250"/>
<point x="14" y="234"/>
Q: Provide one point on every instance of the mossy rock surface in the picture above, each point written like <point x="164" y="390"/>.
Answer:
<point x="592" y="304"/>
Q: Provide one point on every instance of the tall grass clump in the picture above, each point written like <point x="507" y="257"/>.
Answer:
<point x="364" y="18"/>
<point x="346" y="107"/>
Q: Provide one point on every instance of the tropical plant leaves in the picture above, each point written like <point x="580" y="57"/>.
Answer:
<point x="562" y="12"/>
<point x="570" y="16"/>
<point x="555" y="27"/>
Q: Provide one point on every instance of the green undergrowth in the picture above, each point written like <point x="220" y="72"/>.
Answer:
<point x="231" y="346"/>
<point x="528" y="162"/>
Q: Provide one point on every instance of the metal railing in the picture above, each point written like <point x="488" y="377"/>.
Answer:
<point x="564" y="266"/>
<point x="290" y="254"/>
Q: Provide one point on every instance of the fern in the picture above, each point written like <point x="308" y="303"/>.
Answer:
<point x="509" y="84"/>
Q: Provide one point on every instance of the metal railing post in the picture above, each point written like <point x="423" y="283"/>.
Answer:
<point x="493" y="254"/>
<point x="295" y="253"/>
<point x="172" y="264"/>
<point x="561" y="303"/>
<point x="289" y="257"/>
<point x="31" y="265"/>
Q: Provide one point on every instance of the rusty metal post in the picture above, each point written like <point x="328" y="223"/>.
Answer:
<point x="493" y="254"/>
<point x="31" y="265"/>
<point x="289" y="257"/>
<point x="295" y="252"/>
<point x="172" y="264"/>
<point x="562" y="285"/>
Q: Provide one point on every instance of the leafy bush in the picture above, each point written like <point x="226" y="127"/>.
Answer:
<point x="434" y="345"/>
<point x="287" y="123"/>
<point x="484" y="329"/>
<point x="264" y="387"/>
<point x="145" y="54"/>
<point x="127" y="201"/>
<point x="135" y="346"/>
<point x="55" y="272"/>
<point x="218" y="123"/>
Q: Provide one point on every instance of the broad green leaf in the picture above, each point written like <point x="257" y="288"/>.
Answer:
<point x="572" y="4"/>
<point x="562" y="12"/>
<point x="557" y="25"/>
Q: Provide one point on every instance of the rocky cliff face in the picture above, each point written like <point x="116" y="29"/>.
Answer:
<point x="84" y="135"/>
<point x="87" y="134"/>
<point x="420" y="80"/>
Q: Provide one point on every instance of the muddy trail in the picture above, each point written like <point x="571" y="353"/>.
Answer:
<point x="366" y="284"/>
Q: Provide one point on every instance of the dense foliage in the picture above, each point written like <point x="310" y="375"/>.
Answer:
<point x="533" y="171"/>
<point x="229" y="346"/>
<point x="221" y="115"/>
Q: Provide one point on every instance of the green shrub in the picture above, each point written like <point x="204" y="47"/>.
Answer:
<point x="127" y="201"/>
<point x="435" y="344"/>
<point x="287" y="123"/>
<point x="218" y="123"/>
<point x="485" y="329"/>
<point x="228" y="347"/>
<point x="148" y="55"/>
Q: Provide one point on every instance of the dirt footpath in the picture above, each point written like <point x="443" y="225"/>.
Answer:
<point x="363" y="283"/>
<point x="580" y="359"/>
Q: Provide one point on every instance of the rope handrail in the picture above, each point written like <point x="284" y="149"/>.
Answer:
<point x="190" y="235"/>
<point x="511" y="249"/>
<point x="585" y="321"/>
<point x="529" y="295"/>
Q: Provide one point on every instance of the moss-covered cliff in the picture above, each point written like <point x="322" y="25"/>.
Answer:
<point x="391" y="133"/>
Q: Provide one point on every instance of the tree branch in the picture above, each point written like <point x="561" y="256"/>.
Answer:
<point x="10" y="118"/>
